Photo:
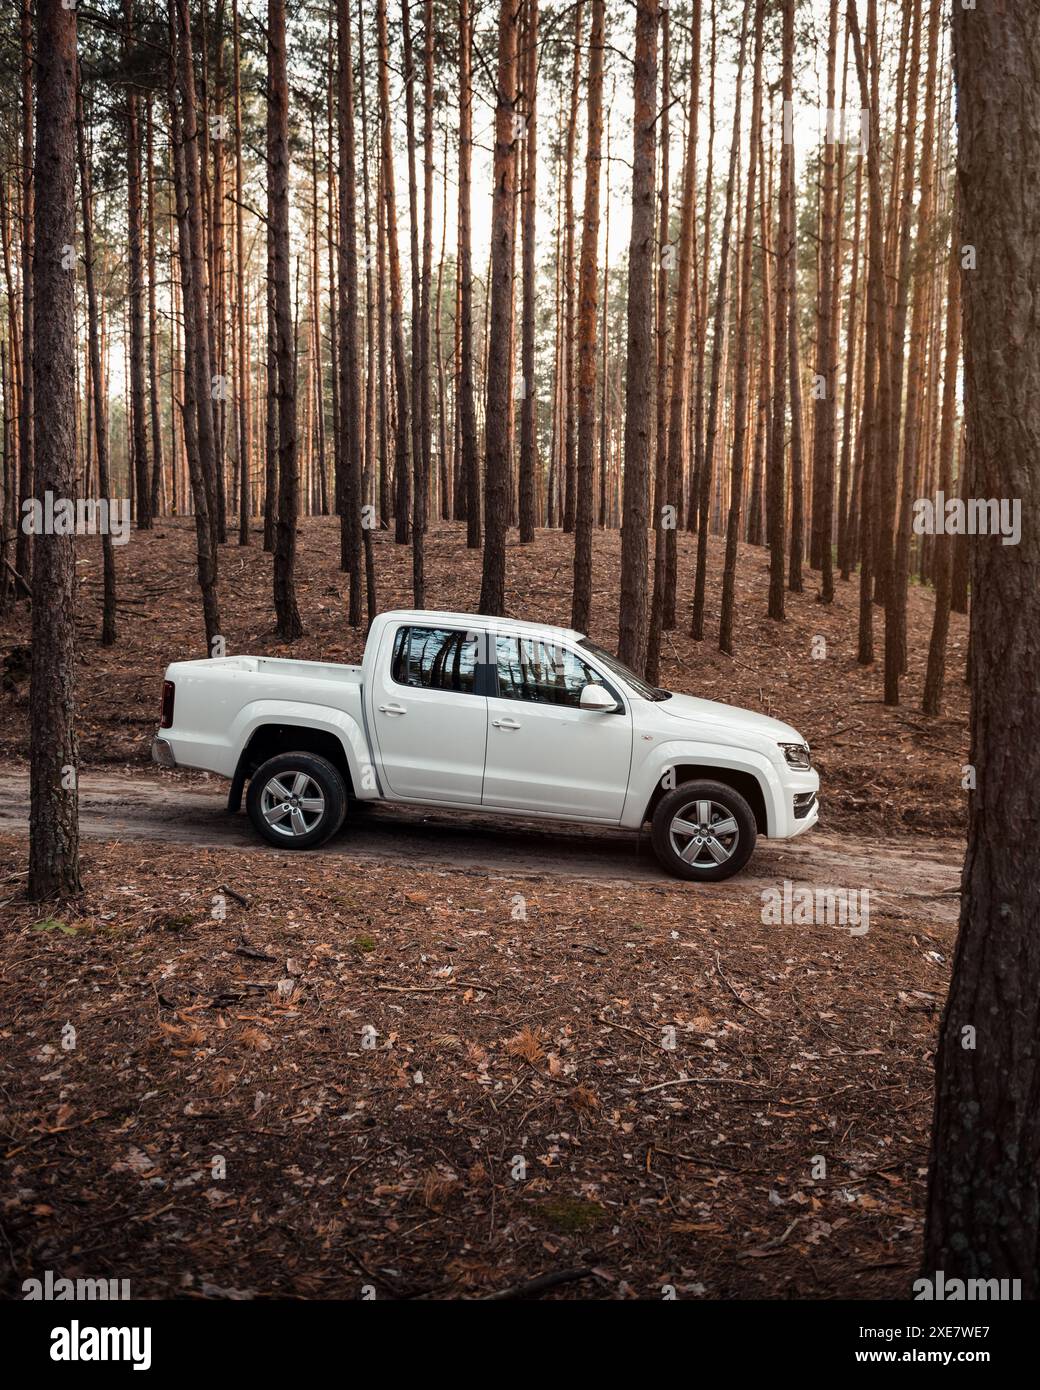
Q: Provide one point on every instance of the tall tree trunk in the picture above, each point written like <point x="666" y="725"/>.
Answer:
<point x="499" y="384"/>
<point x="529" y="404"/>
<point x="403" y="445"/>
<point x="158" y="480"/>
<point x="470" y="464"/>
<point x="983" y="1210"/>
<point x="100" y="411"/>
<point x="824" y="402"/>
<point x="876" y="421"/>
<point x="135" y="286"/>
<point x="740" y="404"/>
<point x="681" y="331"/>
<point x="194" y="309"/>
<point x="243" y="392"/>
<point x="936" y="673"/>
<point x="26" y="418"/>
<point x="196" y="334"/>
<point x="588" y="285"/>
<point x="348" y="487"/>
<point x="664" y="251"/>
<point x="53" y="801"/>
<point x="419" y="442"/>
<point x="775" y="483"/>
<point x="570" y="376"/>
<point x="639" y="380"/>
<point x="718" y="339"/>
<point x="287" y="614"/>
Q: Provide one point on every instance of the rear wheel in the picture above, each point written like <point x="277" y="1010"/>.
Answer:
<point x="703" y="830"/>
<point x="297" y="800"/>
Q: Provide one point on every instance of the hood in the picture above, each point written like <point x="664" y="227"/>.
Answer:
<point x="688" y="709"/>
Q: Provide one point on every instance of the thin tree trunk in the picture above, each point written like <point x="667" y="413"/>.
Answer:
<point x="529" y="404"/>
<point x="470" y="463"/>
<point x="718" y="339"/>
<point x="403" y="446"/>
<point x="588" y="285"/>
<point x="639" y="381"/>
<point x="100" y="412"/>
<point x="287" y="614"/>
<point x="740" y="407"/>
<point x="503" y="225"/>
<point x="348" y="487"/>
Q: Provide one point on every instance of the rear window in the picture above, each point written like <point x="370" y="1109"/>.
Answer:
<point x="435" y="658"/>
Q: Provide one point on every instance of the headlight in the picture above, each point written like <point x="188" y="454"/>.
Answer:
<point x="797" y="754"/>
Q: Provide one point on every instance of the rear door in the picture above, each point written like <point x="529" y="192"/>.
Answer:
<point x="544" y="753"/>
<point x="430" y="723"/>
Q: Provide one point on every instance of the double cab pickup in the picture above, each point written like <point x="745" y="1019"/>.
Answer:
<point x="458" y="711"/>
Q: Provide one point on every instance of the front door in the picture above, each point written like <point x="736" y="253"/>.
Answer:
<point x="544" y="753"/>
<point x="430" y="725"/>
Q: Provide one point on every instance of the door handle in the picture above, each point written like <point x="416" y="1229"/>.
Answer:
<point x="392" y="709"/>
<point x="505" y="723"/>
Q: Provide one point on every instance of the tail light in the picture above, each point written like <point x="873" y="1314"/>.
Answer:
<point x="166" y="720"/>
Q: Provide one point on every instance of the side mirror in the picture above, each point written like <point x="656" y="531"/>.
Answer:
<point x="595" y="698"/>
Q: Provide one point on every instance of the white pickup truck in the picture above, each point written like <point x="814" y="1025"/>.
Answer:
<point x="454" y="710"/>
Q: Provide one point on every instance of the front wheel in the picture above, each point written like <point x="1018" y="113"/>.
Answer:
<point x="703" y="830"/>
<point x="296" y="800"/>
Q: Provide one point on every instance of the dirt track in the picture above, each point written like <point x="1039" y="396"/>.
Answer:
<point x="913" y="873"/>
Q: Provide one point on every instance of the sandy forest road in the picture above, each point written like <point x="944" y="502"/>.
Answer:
<point x="910" y="874"/>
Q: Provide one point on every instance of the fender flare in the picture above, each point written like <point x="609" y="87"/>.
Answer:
<point x="343" y="726"/>
<point x="678" y="751"/>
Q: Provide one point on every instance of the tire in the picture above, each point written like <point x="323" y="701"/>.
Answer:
<point x="687" y="857"/>
<point x="305" y="826"/>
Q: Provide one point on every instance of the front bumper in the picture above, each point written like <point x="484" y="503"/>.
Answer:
<point x="162" y="753"/>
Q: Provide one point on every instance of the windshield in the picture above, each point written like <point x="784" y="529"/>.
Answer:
<point x="648" y="692"/>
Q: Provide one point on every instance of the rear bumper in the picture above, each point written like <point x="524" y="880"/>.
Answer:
<point x="162" y="753"/>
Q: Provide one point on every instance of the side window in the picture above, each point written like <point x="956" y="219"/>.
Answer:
<point x="434" y="658"/>
<point x="529" y="669"/>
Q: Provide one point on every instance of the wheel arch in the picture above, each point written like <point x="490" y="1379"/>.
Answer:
<point x="330" y="734"/>
<point x="744" y="781"/>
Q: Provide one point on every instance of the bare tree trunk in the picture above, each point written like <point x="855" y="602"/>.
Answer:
<point x="196" y="342"/>
<point x="983" y="1209"/>
<point x="348" y="487"/>
<point x="499" y="384"/>
<point x="53" y="801"/>
<point x="193" y="304"/>
<point x="243" y="393"/>
<point x="740" y="406"/>
<point x="775" y="484"/>
<point x="100" y="412"/>
<point x="718" y="339"/>
<point x="936" y="673"/>
<point x="664" y="251"/>
<point x="529" y="404"/>
<point x="402" y="458"/>
<point x="639" y="381"/>
<point x="26" y="418"/>
<point x="286" y="612"/>
<point x="569" y="339"/>
<point x="588" y="284"/>
<point x="158" y="479"/>
<point x="470" y="463"/>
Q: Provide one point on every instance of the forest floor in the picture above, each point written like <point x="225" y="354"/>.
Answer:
<point x="228" y="1072"/>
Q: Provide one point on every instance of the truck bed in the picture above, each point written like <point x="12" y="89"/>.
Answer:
<point x="288" y="668"/>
